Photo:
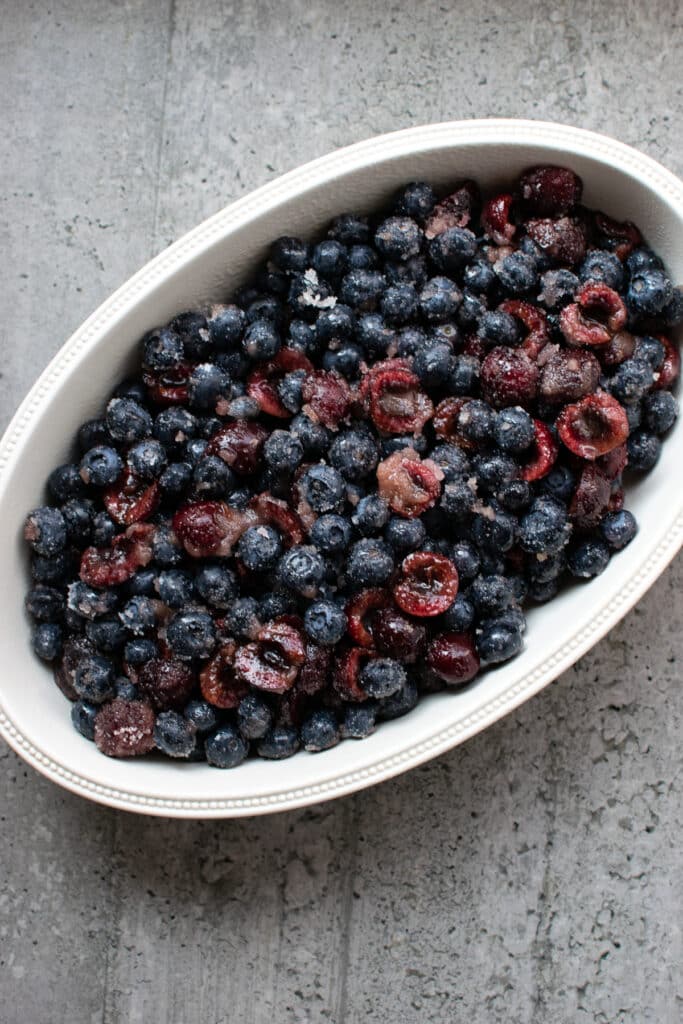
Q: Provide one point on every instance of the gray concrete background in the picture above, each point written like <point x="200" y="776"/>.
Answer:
<point x="534" y="874"/>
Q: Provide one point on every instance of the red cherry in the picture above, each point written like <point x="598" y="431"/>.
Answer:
<point x="218" y="682"/>
<point x="562" y="239"/>
<point x="591" y="498"/>
<point x="129" y="551"/>
<point x="671" y="367"/>
<point x="428" y="584"/>
<point x="276" y="512"/>
<point x="166" y="683"/>
<point x="125" y="728"/>
<point x="549" y="189"/>
<point x="596" y="316"/>
<point x="409" y="485"/>
<point x="398" y="637"/>
<point x="208" y="528"/>
<point x="495" y="218"/>
<point x="454" y="658"/>
<point x="593" y="426"/>
<point x="356" y="611"/>
<point x="239" y="445"/>
<point x="568" y="374"/>
<point x="262" y="382"/>
<point x="130" y="500"/>
<point x="455" y="211"/>
<point x="347" y="666"/>
<point x="534" y="320"/>
<point x="327" y="398"/>
<point x="398" y="405"/>
<point x="544" y="453"/>
<point x="509" y="377"/>
<point x="623" y="237"/>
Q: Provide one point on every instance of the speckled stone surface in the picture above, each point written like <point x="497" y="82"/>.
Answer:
<point x="533" y="875"/>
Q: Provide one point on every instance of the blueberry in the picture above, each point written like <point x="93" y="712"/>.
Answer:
<point x="602" y="266"/>
<point x="370" y="563"/>
<point x="398" y="238"/>
<point x="345" y="360"/>
<point x="460" y="616"/>
<point x="173" y="427"/>
<point x="314" y="437"/>
<point x="661" y="411"/>
<point x="494" y="470"/>
<point x="225" y="748"/>
<point x="415" y="200"/>
<point x="543" y="568"/>
<point x="545" y="528"/>
<point x="274" y="604"/>
<point x="452" y="250"/>
<point x="127" y="420"/>
<point x="496" y="327"/>
<point x="672" y="314"/>
<point x="634" y="415"/>
<point x="359" y="720"/>
<point x="618" y="529"/>
<point x="254" y="717"/>
<point x="289" y="254"/>
<point x="205" y="385"/>
<point x="166" y="550"/>
<point x="451" y="459"/>
<point x="176" y="477"/>
<point x="349" y="229"/>
<point x="283" y="451"/>
<point x="240" y="498"/>
<point x="108" y="635"/>
<point x="466" y="559"/>
<point x="282" y="741"/>
<point x="405" y="535"/>
<point x="539" y="256"/>
<point x="559" y="483"/>
<point x="303" y="338"/>
<point x="644" y="450"/>
<point x="479" y="277"/>
<point x="320" y="731"/>
<point x="50" y="570"/>
<point x="325" y="622"/>
<point x="94" y="679"/>
<point x="517" y="273"/>
<point x="329" y="259"/>
<point x="45" y="604"/>
<point x="308" y="294"/>
<point x="476" y="421"/>
<point x="631" y="380"/>
<point x="588" y="558"/>
<point x="650" y="350"/>
<point x="193" y="329"/>
<point x="354" y="453"/>
<point x="361" y="289"/>
<point x="323" y="488"/>
<point x="259" y="548"/>
<point x="648" y="292"/>
<point x="491" y="595"/>
<point x="45" y="530"/>
<point x="236" y="365"/>
<point x="399" y="443"/>
<point x="242" y="617"/>
<point x="514" y="430"/>
<point x="266" y="307"/>
<point x="78" y="516"/>
<point x="558" y="288"/>
<point x="331" y="534"/>
<point x="335" y="325"/>
<point x="371" y="515"/>
<point x="65" y="482"/>
<point x="201" y="715"/>
<point x="147" y="459"/>
<point x="496" y="531"/>
<point x="375" y="335"/>
<point x="191" y="634"/>
<point x="131" y="387"/>
<point x="399" y="304"/>
<point x="261" y="340"/>
<point x="400" y="703"/>
<point x="174" y="735"/>
<point x="643" y="259"/>
<point x="101" y="466"/>
<point x="124" y="689"/>
<point x="434" y="365"/>
<point x="411" y="340"/>
<point x="227" y="327"/>
<point x="542" y="592"/>
<point x="175" y="587"/>
<point x="93" y="433"/>
<point x="88" y="602"/>
<point x="497" y="643"/>
<point x="138" y="615"/>
<point x="212" y="478"/>
<point x="471" y="310"/>
<point x="140" y="650"/>
<point x="245" y="408"/>
<point x="46" y="640"/>
<point x="162" y="349"/>
<point x="83" y="715"/>
<point x="362" y="257"/>
<point x="465" y="375"/>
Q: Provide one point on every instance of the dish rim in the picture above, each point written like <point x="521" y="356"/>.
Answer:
<point x="563" y="138"/>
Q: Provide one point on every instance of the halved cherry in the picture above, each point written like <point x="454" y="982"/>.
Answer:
<point x="591" y="498"/>
<point x="130" y="500"/>
<point x="397" y="636"/>
<point x="409" y="485"/>
<point x="495" y="218"/>
<point x="358" y="608"/>
<point x="314" y="673"/>
<point x="129" y="551"/>
<point x="398" y="405"/>
<point x="276" y="512"/>
<point x="169" y="386"/>
<point x="454" y="658"/>
<point x="620" y="348"/>
<point x="549" y="189"/>
<point x="255" y="664"/>
<point x="596" y="316"/>
<point x="428" y="584"/>
<point x="166" y="683"/>
<point x="562" y="239"/>
<point x="543" y="454"/>
<point x="671" y="367"/>
<point x="327" y="397"/>
<point x="534" y="320"/>
<point x="218" y="681"/>
<point x="509" y="377"/>
<point x="455" y="211"/>
<point x="594" y="426"/>
<point x="568" y="374"/>
<point x="345" y="673"/>
<point x="239" y="445"/>
<point x="262" y="382"/>
<point x="208" y="528"/>
<point x="613" y="463"/>
<point x="622" y="236"/>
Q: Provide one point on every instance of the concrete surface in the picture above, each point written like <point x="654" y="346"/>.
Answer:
<point x="531" y="876"/>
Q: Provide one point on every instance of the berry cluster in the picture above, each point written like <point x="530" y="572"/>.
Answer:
<point x="338" y="491"/>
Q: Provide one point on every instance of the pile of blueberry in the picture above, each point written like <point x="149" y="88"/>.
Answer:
<point x="337" y="492"/>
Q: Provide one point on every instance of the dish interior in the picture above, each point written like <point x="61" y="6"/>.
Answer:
<point x="34" y="705"/>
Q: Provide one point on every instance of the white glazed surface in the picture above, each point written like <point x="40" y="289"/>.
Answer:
<point x="205" y="265"/>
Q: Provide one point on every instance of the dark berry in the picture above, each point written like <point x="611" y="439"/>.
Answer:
<point x="375" y="335"/>
<point x="147" y="459"/>
<point x="495" y="530"/>
<point x="138" y="615"/>
<point x="174" y="735"/>
<point x="370" y="563"/>
<point x="631" y="381"/>
<point x="491" y="595"/>
<point x="162" y="349"/>
<point x="558" y="288"/>
<point x="225" y="748"/>
<point x="282" y="741"/>
<point x="191" y="634"/>
<point x="517" y="273"/>
<point x="140" y="650"/>
<point x="175" y="587"/>
<point x="314" y="437"/>
<point x="416" y="200"/>
<point x="460" y="616"/>
<point x="211" y="477"/>
<point x="192" y="328"/>
<point x="404" y="535"/>
<point x="331" y="534"/>
<point x="602" y="266"/>
<point x="323" y="488"/>
<point x="434" y="365"/>
<point x="127" y="420"/>
<point x="45" y="530"/>
<point x="400" y="703"/>
<point x="398" y="238"/>
<point x="439" y="300"/>
<point x="476" y="421"/>
<point x="107" y="635"/>
<point x="226" y="327"/>
<point x="513" y="430"/>
<point x="359" y="721"/>
<point x="544" y="529"/>
<point x="496" y="327"/>
<point x="94" y="679"/>
<point x="648" y="292"/>
<point x="83" y="714"/>
<point x="660" y="410"/>
<point x="289" y="254"/>
<point x="618" y="529"/>
<point x="382" y="677"/>
<point x="302" y="570"/>
<point x="479" y="277"/>
<point x="46" y="640"/>
<point x="261" y="340"/>
<point x="88" y="602"/>
<point x="497" y="643"/>
<point x="464" y="376"/>
<point x="201" y="716"/>
<point x="254" y="717"/>
<point x="125" y="729"/>
<point x="325" y="622"/>
<point x="206" y="384"/>
<point x="371" y="515"/>
<point x="453" y="249"/>
<point x="588" y="558"/>
<point x="65" y="482"/>
<point x="644" y="450"/>
<point x="259" y="548"/>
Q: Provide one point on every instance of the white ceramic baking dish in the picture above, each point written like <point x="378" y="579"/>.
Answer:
<point x="205" y="265"/>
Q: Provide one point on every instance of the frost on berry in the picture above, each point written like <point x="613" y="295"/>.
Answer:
<point x="211" y="528"/>
<point x="549" y="190"/>
<point x="130" y="500"/>
<point x="168" y="684"/>
<point x="509" y="377"/>
<point x="239" y="445"/>
<point x="125" y="728"/>
<point x="327" y="398"/>
<point x="128" y="552"/>
<point x="569" y="374"/>
<point x="408" y="484"/>
<point x="563" y="239"/>
<point x="457" y="210"/>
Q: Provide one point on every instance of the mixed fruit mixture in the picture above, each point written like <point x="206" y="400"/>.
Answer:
<point x="336" y="493"/>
